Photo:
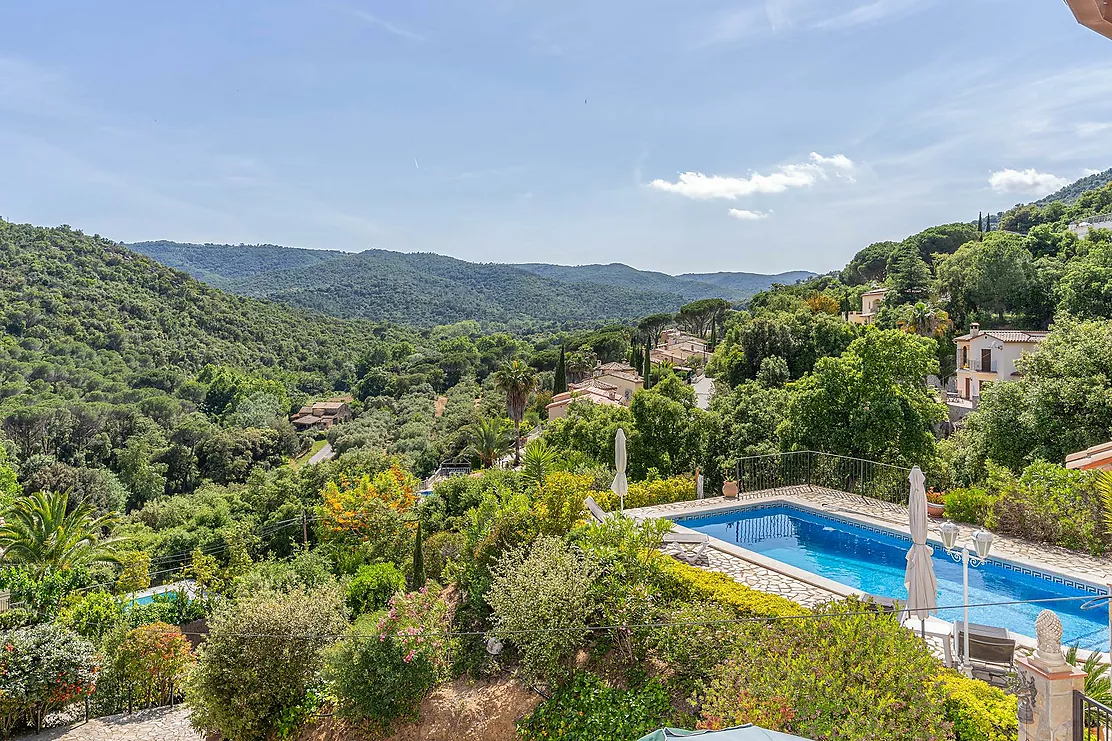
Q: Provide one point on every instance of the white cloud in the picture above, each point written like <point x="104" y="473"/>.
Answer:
<point x="872" y="12"/>
<point x="393" y="28"/>
<point x="697" y="186"/>
<point x="1025" y="181"/>
<point x="747" y="215"/>
<point x="1093" y="128"/>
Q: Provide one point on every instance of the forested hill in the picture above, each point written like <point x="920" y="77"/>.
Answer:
<point x="83" y="316"/>
<point x="428" y="289"/>
<point x="745" y="285"/>
<point x="1069" y="194"/>
<point x="221" y="264"/>
<point x="731" y="286"/>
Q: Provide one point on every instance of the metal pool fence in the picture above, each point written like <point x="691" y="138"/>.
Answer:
<point x="814" y="468"/>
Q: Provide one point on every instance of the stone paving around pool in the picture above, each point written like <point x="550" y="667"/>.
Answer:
<point x="761" y="573"/>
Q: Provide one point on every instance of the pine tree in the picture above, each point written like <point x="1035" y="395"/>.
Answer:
<point x="560" y="382"/>
<point x="419" y="559"/>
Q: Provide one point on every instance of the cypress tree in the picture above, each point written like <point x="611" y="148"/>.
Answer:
<point x="560" y="382"/>
<point x="713" y="336"/>
<point x="648" y="368"/>
<point x="419" y="559"/>
<point x="980" y="226"/>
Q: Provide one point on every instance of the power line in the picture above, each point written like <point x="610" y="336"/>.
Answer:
<point x="642" y="626"/>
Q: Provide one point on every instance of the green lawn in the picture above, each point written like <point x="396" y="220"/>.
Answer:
<point x="304" y="457"/>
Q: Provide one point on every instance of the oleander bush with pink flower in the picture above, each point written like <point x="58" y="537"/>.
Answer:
<point x="390" y="660"/>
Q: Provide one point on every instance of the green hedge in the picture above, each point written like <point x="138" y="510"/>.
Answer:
<point x="689" y="583"/>
<point x="978" y="711"/>
<point x="649" y="493"/>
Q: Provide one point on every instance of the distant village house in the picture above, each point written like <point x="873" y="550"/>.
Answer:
<point x="984" y="357"/>
<point x="322" y="415"/>
<point x="870" y="305"/>
<point x="611" y="384"/>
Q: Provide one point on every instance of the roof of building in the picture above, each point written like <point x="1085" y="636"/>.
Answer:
<point x="596" y="383"/>
<point x="616" y="366"/>
<point x="329" y="405"/>
<point x="872" y="291"/>
<point x="630" y="375"/>
<point x="1098" y="455"/>
<point x="1093" y="14"/>
<point x="307" y="419"/>
<point x="588" y="393"/>
<point x="1007" y="335"/>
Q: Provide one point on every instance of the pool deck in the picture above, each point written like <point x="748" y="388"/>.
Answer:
<point x="768" y="575"/>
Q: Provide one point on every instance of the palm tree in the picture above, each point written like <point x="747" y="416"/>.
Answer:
<point x="489" y="440"/>
<point x="517" y="380"/>
<point x="924" y="319"/>
<point x="38" y="532"/>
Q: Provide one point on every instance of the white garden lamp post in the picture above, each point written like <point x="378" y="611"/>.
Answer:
<point x="982" y="543"/>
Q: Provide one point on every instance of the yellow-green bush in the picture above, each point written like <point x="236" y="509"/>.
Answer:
<point x="691" y="583"/>
<point x="978" y="711"/>
<point x="648" y="493"/>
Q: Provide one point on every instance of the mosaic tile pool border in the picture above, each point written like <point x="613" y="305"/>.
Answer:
<point x="1050" y="576"/>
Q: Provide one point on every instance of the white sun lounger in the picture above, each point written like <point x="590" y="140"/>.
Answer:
<point x="688" y="540"/>
<point x="595" y="510"/>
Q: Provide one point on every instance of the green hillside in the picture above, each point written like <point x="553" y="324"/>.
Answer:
<point x="1069" y="194"/>
<point x="425" y="289"/>
<point x="220" y="264"/>
<point x="745" y="285"/>
<point x="84" y="316"/>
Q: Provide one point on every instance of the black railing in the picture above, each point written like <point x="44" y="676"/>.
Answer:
<point x="1091" y="719"/>
<point x="813" y="468"/>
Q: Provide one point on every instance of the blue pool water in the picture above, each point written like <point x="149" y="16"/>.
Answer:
<point x="874" y="562"/>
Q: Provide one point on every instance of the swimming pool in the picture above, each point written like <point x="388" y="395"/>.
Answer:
<point x="874" y="560"/>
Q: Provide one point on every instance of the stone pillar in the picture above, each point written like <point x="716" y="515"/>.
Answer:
<point x="1045" y="686"/>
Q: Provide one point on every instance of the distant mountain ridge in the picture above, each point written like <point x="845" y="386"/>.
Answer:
<point x="426" y="288"/>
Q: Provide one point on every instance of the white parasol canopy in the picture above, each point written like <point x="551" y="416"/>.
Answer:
<point x="921" y="583"/>
<point x="620" y="485"/>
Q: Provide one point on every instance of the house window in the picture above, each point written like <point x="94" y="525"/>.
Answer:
<point x="986" y="360"/>
<point x="965" y="356"/>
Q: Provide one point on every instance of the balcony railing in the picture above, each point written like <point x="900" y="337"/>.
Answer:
<point x="813" y="468"/>
<point x="983" y="367"/>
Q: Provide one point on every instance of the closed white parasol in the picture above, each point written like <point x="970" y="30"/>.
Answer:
<point x="921" y="583"/>
<point x="620" y="485"/>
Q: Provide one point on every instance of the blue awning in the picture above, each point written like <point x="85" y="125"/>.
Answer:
<point x="740" y="733"/>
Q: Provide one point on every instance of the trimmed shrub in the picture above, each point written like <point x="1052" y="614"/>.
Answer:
<point x="972" y="505"/>
<point x="260" y="656"/>
<point x="979" y="711"/>
<point x="689" y="583"/>
<point x="152" y="662"/>
<point x="1055" y="505"/>
<point x="92" y="616"/>
<point x="373" y="586"/>
<point x="559" y="501"/>
<point x="853" y="676"/>
<point x="546" y="588"/>
<point x="649" y="493"/>
<point x="43" y="668"/>
<point x="587" y="709"/>
<point x="390" y="661"/>
<point x="699" y="641"/>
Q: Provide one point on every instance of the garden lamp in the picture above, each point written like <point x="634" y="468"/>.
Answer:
<point x="982" y="544"/>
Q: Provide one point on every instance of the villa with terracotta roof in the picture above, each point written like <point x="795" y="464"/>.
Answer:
<point x="870" y="305"/>
<point x="679" y="348"/>
<point x="990" y="355"/>
<point x="612" y="384"/>
<point x="321" y="415"/>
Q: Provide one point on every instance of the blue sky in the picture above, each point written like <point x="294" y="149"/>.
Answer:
<point x="760" y="135"/>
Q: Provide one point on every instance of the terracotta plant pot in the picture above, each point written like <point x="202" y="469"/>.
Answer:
<point x="935" y="510"/>
<point x="729" y="489"/>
